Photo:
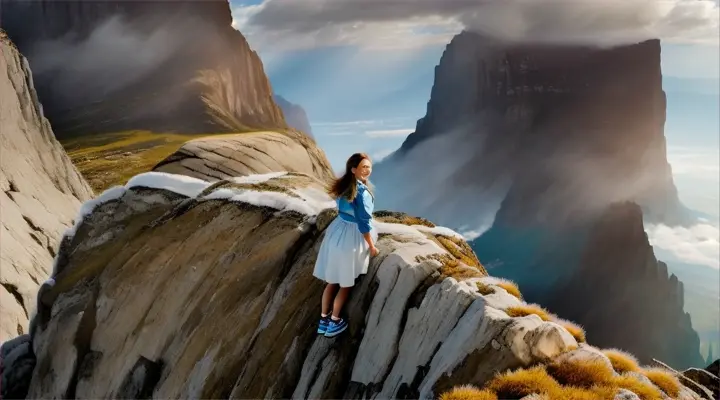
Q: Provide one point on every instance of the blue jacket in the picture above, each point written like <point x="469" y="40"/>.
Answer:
<point x="359" y="210"/>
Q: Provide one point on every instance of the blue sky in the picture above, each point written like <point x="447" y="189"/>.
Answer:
<point x="363" y="70"/>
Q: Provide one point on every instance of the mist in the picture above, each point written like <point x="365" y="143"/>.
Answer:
<point x="113" y="56"/>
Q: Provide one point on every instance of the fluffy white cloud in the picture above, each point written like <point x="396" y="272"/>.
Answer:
<point x="699" y="244"/>
<point x="408" y="23"/>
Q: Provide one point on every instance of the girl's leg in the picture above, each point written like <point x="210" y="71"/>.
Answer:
<point x="340" y="302"/>
<point x="327" y="298"/>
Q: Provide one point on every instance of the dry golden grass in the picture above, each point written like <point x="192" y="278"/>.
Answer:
<point x="663" y="379"/>
<point x="574" y="329"/>
<point x="511" y="287"/>
<point x="573" y="380"/>
<point x="581" y="373"/>
<point x="461" y="250"/>
<point x="451" y="267"/>
<point x="112" y="159"/>
<point x="529" y="309"/>
<point x="523" y="382"/>
<point x="394" y="217"/>
<point x="622" y="361"/>
<point x="484" y="289"/>
<point x="468" y="392"/>
<point x="633" y="384"/>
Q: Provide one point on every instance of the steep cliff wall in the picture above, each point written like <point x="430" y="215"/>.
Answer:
<point x="107" y="66"/>
<point x="620" y="290"/>
<point x="41" y="192"/>
<point x="565" y="130"/>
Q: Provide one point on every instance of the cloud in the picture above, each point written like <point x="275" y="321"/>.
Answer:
<point x="389" y="132"/>
<point x="381" y="154"/>
<point x="389" y="24"/>
<point x="699" y="244"/>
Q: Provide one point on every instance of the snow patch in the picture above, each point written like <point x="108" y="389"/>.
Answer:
<point x="180" y="184"/>
<point x="275" y="200"/>
<point x="258" y="178"/>
<point x="439" y="230"/>
<point x="396" y="229"/>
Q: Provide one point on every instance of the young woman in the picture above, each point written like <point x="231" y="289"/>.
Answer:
<point x="348" y="244"/>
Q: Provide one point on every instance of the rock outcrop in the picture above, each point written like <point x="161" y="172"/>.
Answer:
<point x="620" y="289"/>
<point x="178" y="287"/>
<point x="41" y="192"/>
<point x="226" y="156"/>
<point x="120" y="65"/>
<point x="295" y="115"/>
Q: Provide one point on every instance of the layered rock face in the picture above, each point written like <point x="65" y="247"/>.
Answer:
<point x="620" y="290"/>
<point x="226" y="156"/>
<point x="118" y="65"/>
<point x="41" y="192"/>
<point x="176" y="287"/>
<point x="555" y="133"/>
<point x="295" y="115"/>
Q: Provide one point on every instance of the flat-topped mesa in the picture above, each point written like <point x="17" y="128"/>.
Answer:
<point x="111" y="66"/>
<point x="547" y="134"/>
<point x="40" y="192"/>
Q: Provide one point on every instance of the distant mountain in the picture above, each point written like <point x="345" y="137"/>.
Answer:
<point x="532" y="146"/>
<point x="108" y="66"/>
<point x="295" y="115"/>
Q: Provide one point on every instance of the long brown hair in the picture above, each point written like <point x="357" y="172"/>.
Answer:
<point x="346" y="185"/>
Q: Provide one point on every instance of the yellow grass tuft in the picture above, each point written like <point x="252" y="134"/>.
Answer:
<point x="529" y="309"/>
<point x="510" y="287"/>
<point x="484" y="289"/>
<point x="633" y="384"/>
<point x="574" y="329"/>
<point x="451" y="267"/>
<point x="460" y="250"/>
<point x="394" y="217"/>
<point x="593" y="393"/>
<point x="622" y="361"/>
<point x="663" y="379"/>
<point x="523" y="382"/>
<point x="468" y="392"/>
<point x="581" y="373"/>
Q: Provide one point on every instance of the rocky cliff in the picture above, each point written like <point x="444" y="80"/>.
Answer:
<point x="530" y="145"/>
<point x="555" y="133"/>
<point x="619" y="270"/>
<point x="41" y="192"/>
<point x="119" y="65"/>
<point x="295" y="115"/>
<point x="177" y="287"/>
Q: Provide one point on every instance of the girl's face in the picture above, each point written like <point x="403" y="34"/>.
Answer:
<point x="363" y="170"/>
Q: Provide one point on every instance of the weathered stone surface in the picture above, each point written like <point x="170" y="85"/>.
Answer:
<point x="222" y="157"/>
<point x="703" y="378"/>
<point x="17" y="362"/>
<point x="216" y="290"/>
<point x="624" y="394"/>
<point x="40" y="192"/>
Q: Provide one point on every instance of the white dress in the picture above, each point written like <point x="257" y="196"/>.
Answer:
<point x="344" y="254"/>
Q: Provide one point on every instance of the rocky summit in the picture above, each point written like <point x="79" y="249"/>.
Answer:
<point x="41" y="192"/>
<point x="177" y="287"/>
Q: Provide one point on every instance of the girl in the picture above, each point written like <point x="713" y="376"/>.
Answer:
<point x="348" y="243"/>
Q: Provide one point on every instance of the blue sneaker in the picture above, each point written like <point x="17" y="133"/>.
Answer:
<point x="323" y="325"/>
<point x="336" y="327"/>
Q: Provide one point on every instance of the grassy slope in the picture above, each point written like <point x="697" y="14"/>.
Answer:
<point x="111" y="159"/>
